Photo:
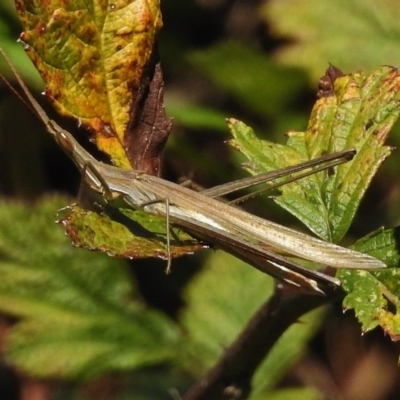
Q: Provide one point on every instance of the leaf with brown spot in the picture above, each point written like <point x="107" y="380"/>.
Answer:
<point x="93" y="57"/>
<point x="126" y="233"/>
<point x="359" y="113"/>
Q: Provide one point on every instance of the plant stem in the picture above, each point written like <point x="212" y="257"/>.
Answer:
<point x="231" y="376"/>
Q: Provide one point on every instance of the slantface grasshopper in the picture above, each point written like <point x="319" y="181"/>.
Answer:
<point x="224" y="226"/>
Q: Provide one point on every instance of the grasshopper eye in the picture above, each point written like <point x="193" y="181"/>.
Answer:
<point x="62" y="137"/>
<point x="65" y="142"/>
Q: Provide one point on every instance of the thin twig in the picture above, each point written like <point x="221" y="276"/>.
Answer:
<point x="231" y="376"/>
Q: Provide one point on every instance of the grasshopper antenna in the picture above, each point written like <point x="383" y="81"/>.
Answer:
<point x="30" y="102"/>
<point x="19" y="80"/>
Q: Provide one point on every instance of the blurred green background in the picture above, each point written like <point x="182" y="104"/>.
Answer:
<point x="258" y="61"/>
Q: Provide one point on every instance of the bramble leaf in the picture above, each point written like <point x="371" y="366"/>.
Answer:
<point x="126" y="233"/>
<point x="359" y="113"/>
<point x="92" y="57"/>
<point x="375" y="296"/>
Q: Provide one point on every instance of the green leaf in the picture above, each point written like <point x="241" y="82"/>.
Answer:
<point x="214" y="317"/>
<point x="126" y="233"/>
<point x="359" y="114"/>
<point x="351" y="34"/>
<point x="92" y="56"/>
<point x="371" y="293"/>
<point x="77" y="312"/>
